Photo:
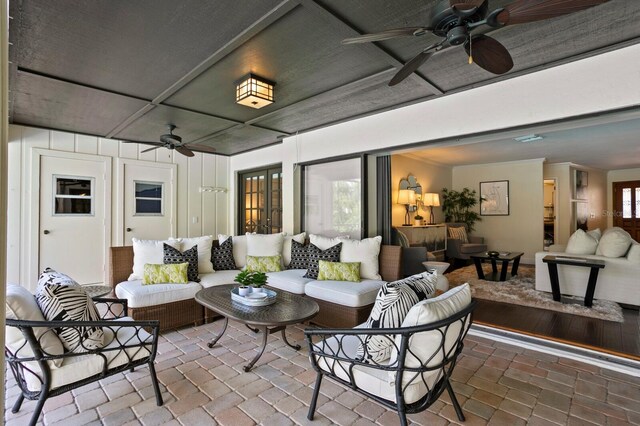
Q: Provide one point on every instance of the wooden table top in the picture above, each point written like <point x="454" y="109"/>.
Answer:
<point x="288" y="308"/>
<point x="575" y="261"/>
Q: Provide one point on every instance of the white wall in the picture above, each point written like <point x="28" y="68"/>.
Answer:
<point x="564" y="91"/>
<point x="210" y="209"/>
<point x="522" y="229"/>
<point x="618" y="176"/>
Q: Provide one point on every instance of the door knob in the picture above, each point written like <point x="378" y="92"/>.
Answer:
<point x="129" y="229"/>
<point x="45" y="232"/>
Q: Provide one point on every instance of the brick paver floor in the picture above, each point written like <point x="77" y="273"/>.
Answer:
<point x="496" y="384"/>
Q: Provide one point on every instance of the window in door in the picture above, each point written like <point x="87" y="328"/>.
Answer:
<point x="260" y="200"/>
<point x="73" y="195"/>
<point x="626" y="203"/>
<point x="148" y="198"/>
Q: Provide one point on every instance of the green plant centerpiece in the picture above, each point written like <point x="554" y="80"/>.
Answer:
<point x="418" y="217"/>
<point x="457" y="205"/>
<point x="251" y="278"/>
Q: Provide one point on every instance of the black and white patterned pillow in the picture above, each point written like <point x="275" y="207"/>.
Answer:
<point x="332" y="254"/>
<point x="172" y="256"/>
<point x="222" y="256"/>
<point x="59" y="302"/>
<point x="299" y="256"/>
<point x="51" y="276"/>
<point x="393" y="302"/>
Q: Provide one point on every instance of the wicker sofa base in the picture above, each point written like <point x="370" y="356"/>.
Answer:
<point x="171" y="315"/>
<point x="332" y="315"/>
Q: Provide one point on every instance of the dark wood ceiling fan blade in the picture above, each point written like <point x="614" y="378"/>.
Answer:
<point x="489" y="54"/>
<point x="410" y="67"/>
<point x="184" y="151"/>
<point x="201" y="148"/>
<point x="385" y="35"/>
<point x="152" y="148"/>
<point x="523" y="11"/>
<point x="466" y="4"/>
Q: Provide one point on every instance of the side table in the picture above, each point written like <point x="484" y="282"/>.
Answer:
<point x="594" y="264"/>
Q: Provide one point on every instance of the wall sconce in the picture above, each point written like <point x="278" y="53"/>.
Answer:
<point x="253" y="91"/>
<point x="407" y="197"/>
<point x="431" y="200"/>
<point x="212" y="189"/>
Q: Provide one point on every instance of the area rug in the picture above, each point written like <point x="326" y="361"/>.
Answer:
<point x="520" y="290"/>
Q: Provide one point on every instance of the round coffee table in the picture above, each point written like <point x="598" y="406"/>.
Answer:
<point x="288" y="309"/>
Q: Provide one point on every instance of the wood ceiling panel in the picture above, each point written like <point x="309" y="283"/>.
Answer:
<point x="44" y="102"/>
<point x="135" y="47"/>
<point x="242" y="139"/>
<point x="300" y="53"/>
<point x="189" y="125"/>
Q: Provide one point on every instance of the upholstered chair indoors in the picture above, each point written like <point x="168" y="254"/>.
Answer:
<point x="460" y="245"/>
<point x="412" y="256"/>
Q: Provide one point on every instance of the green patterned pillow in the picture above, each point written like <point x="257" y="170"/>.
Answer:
<point x="339" y="271"/>
<point x="264" y="263"/>
<point x="165" y="274"/>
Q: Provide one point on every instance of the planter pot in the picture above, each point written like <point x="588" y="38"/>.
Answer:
<point x="243" y="290"/>
<point x="417" y="222"/>
<point x="257" y="290"/>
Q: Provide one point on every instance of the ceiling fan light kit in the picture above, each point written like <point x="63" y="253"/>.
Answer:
<point x="454" y="20"/>
<point x="254" y="92"/>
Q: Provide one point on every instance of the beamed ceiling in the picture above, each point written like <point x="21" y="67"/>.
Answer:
<point x="125" y="69"/>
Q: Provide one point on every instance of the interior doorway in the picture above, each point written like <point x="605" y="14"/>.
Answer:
<point x="626" y="207"/>
<point x="550" y="203"/>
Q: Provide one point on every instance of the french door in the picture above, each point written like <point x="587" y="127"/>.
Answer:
<point x="260" y="198"/>
<point x="626" y="206"/>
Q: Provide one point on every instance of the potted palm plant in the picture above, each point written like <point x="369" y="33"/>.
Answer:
<point x="457" y="205"/>
<point x="250" y="281"/>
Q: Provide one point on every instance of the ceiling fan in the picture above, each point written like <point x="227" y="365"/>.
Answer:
<point x="453" y="20"/>
<point x="171" y="141"/>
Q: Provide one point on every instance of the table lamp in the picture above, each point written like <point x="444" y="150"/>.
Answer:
<point x="430" y="200"/>
<point x="406" y="197"/>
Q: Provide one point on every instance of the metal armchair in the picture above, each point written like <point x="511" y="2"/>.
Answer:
<point x="418" y="371"/>
<point x="41" y="375"/>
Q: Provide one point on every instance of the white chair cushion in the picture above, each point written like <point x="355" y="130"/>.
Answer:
<point x="345" y="293"/>
<point x="149" y="251"/>
<point x="218" y="278"/>
<point x="581" y="243"/>
<point x="239" y="248"/>
<point x="77" y="368"/>
<point x="366" y="252"/>
<point x="614" y="243"/>
<point x="204" y="251"/>
<point x="286" y="248"/>
<point x="21" y="305"/>
<point x="423" y="346"/>
<point x="140" y="296"/>
<point x="634" y="254"/>
<point x="291" y="280"/>
<point x="265" y="244"/>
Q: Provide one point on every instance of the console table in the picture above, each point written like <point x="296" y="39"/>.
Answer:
<point x="594" y="264"/>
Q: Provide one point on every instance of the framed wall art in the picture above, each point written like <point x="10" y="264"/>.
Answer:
<point x="494" y="198"/>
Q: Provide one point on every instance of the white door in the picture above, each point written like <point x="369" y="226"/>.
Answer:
<point x="72" y="228"/>
<point x="149" y="201"/>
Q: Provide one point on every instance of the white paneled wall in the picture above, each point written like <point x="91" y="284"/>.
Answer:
<point x="198" y="213"/>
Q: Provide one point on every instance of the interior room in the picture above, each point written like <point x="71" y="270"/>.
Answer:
<point x="320" y="212"/>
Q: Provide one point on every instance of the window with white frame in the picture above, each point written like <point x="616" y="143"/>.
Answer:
<point x="149" y="200"/>
<point x="73" y="195"/>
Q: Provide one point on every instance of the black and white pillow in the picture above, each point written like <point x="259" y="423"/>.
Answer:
<point x="59" y="302"/>
<point x="393" y="302"/>
<point x="172" y="256"/>
<point x="299" y="256"/>
<point x="51" y="276"/>
<point x="332" y="254"/>
<point x="222" y="256"/>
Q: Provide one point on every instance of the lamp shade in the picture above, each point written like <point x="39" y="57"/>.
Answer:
<point x="431" y="199"/>
<point x="254" y="91"/>
<point x="406" y="196"/>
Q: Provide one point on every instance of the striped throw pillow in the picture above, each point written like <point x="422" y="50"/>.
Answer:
<point x="459" y="233"/>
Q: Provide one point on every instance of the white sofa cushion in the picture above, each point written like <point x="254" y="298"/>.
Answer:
<point x="286" y="248"/>
<point x="365" y="251"/>
<point x="239" y="248"/>
<point x="265" y="244"/>
<point x="345" y="293"/>
<point x="21" y="305"/>
<point x="77" y="368"/>
<point x="614" y="243"/>
<point x="149" y="251"/>
<point x="581" y="243"/>
<point x="140" y="296"/>
<point x="218" y="278"/>
<point x="204" y="251"/>
<point x="324" y="243"/>
<point x="291" y="280"/>
<point x="634" y="254"/>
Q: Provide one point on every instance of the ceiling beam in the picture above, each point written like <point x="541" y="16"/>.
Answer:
<point x="348" y="30"/>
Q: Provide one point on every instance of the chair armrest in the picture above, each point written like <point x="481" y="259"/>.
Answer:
<point x="111" y="308"/>
<point x="476" y="240"/>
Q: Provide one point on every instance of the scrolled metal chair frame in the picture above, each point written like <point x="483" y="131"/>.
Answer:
<point x="21" y="365"/>
<point x="339" y="357"/>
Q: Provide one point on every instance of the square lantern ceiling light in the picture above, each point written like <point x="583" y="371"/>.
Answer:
<point x="253" y="91"/>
